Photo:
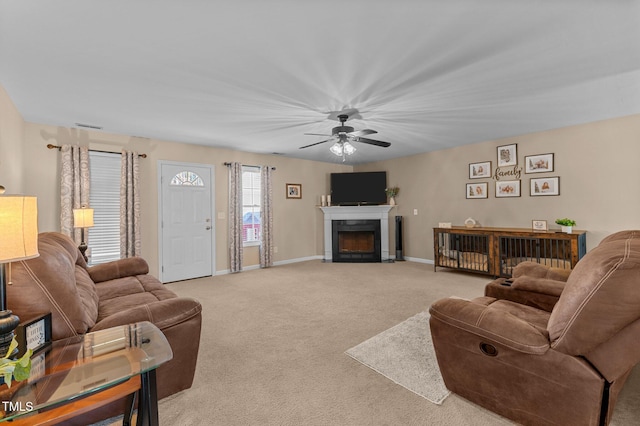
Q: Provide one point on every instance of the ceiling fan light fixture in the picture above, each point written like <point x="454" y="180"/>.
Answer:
<point x="336" y="148"/>
<point x="348" y="148"/>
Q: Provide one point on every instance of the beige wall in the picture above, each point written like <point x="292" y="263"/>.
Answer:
<point x="11" y="136"/>
<point x="297" y="223"/>
<point x="596" y="163"/>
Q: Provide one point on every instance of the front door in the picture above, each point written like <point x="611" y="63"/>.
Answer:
<point x="186" y="225"/>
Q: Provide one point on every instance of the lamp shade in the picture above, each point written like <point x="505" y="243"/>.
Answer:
<point x="82" y="218"/>
<point x="18" y="228"/>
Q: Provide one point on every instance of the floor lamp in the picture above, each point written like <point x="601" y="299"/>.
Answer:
<point x="83" y="218"/>
<point x="18" y="241"/>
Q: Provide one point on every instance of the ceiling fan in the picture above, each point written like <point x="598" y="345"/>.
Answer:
<point x="342" y="136"/>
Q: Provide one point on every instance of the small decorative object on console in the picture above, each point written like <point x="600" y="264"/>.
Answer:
<point x="539" y="225"/>
<point x="34" y="333"/>
<point x="470" y="222"/>
<point x="567" y="224"/>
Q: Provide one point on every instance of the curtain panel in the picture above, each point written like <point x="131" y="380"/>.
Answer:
<point x="266" y="217"/>
<point x="130" y="243"/>
<point x="74" y="187"/>
<point x="235" y="217"/>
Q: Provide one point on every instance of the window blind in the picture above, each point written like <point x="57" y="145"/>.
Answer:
<point x="251" y="205"/>
<point x="104" y="198"/>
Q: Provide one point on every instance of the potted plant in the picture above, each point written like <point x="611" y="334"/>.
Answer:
<point x="566" y="224"/>
<point x="391" y="193"/>
<point x="15" y="369"/>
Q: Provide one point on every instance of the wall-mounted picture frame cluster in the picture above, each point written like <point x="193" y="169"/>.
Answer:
<point x="480" y="170"/>
<point x="507" y="156"/>
<point x="478" y="190"/>
<point x="507" y="188"/>
<point x="545" y="186"/>
<point x="541" y="163"/>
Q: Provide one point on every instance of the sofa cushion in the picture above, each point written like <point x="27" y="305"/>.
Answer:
<point x="601" y="297"/>
<point x="122" y="268"/>
<point x="55" y="282"/>
<point x="125" y="293"/>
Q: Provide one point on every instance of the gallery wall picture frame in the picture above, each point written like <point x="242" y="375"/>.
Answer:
<point x="546" y="186"/>
<point x="507" y="188"/>
<point x="294" y="190"/>
<point x="540" y="163"/>
<point x="477" y="190"/>
<point x="480" y="170"/>
<point x="507" y="155"/>
<point x="539" y="225"/>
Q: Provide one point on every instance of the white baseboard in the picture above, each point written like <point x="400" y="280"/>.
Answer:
<point x="419" y="260"/>
<point x="280" y="262"/>
<point x="316" y="257"/>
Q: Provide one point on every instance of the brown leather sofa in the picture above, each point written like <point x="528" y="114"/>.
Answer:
<point x="82" y="299"/>
<point x="559" y="366"/>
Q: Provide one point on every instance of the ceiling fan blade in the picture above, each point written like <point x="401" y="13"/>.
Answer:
<point x="316" y="134"/>
<point x="373" y="142"/>
<point x="317" y="143"/>
<point x="363" y="132"/>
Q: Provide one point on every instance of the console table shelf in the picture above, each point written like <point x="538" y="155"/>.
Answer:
<point x="496" y="251"/>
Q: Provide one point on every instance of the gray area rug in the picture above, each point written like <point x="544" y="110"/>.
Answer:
<point x="405" y="355"/>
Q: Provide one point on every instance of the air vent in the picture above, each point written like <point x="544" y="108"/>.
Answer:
<point x="89" y="126"/>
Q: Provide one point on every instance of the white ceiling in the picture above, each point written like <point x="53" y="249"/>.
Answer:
<point x="256" y="75"/>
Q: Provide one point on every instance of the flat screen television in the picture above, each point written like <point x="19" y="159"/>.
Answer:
<point x="353" y="189"/>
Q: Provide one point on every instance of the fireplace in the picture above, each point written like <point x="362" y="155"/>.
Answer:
<point x="356" y="241"/>
<point x="379" y="214"/>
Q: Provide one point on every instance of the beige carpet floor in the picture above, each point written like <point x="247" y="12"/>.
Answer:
<point x="273" y="343"/>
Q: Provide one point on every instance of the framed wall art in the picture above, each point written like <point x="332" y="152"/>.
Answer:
<point x="545" y="186"/>
<point x="294" y="190"/>
<point x="507" y="188"/>
<point x="480" y="170"/>
<point x="540" y="163"/>
<point x="477" y="190"/>
<point x="507" y="155"/>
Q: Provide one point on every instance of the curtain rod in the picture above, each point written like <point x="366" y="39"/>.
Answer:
<point x="51" y="146"/>
<point x="228" y="164"/>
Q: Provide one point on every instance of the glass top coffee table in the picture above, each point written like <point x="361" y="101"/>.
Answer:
<point x="78" y="374"/>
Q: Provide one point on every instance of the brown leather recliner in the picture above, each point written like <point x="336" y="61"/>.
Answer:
<point x="85" y="298"/>
<point x="564" y="367"/>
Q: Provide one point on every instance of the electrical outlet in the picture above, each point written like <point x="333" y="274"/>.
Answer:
<point x="275" y="249"/>
<point x="415" y="212"/>
<point x="221" y="215"/>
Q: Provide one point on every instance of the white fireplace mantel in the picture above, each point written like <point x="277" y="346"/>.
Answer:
<point x="380" y="213"/>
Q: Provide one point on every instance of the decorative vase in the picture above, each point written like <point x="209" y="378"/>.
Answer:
<point x="392" y="201"/>
<point x="567" y="229"/>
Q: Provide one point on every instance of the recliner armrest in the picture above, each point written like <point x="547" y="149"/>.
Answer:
<point x="493" y="324"/>
<point x="537" y="270"/>
<point x="120" y="268"/>
<point x="538" y="285"/>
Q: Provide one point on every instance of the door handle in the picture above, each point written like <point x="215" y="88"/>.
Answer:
<point x="208" y="228"/>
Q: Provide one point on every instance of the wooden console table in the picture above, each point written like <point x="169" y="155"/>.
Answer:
<point x="496" y="251"/>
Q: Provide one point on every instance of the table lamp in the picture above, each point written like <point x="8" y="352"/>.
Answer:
<point x="18" y="241"/>
<point x="83" y="218"/>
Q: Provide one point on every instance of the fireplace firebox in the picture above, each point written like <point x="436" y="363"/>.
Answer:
<point x="356" y="241"/>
